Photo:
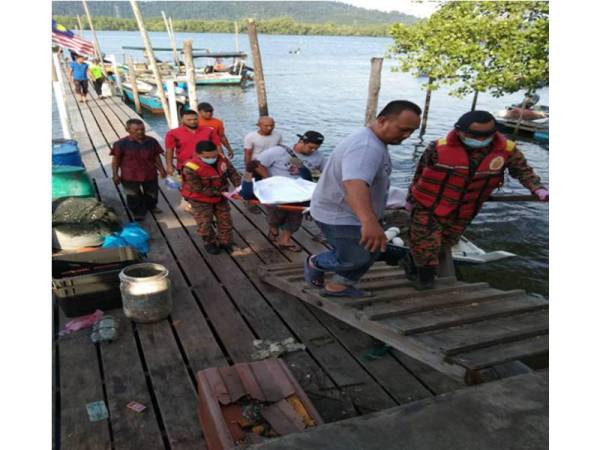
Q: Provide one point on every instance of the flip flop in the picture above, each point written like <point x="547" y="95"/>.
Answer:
<point x="312" y="275"/>
<point x="291" y="247"/>
<point x="350" y="292"/>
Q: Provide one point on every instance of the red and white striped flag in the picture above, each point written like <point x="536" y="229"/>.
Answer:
<point x="66" y="38"/>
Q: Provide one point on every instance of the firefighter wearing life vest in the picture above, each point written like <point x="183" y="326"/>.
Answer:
<point x="454" y="177"/>
<point x="206" y="177"/>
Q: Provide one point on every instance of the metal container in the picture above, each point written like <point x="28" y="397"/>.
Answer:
<point x="146" y="292"/>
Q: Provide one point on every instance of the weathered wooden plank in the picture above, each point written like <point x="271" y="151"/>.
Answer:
<point x="462" y="295"/>
<point x="472" y="312"/>
<point x="452" y="341"/>
<point x="498" y="354"/>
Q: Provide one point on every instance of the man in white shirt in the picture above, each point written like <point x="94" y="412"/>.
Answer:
<point x="258" y="141"/>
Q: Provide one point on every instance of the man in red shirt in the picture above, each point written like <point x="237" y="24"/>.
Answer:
<point x="136" y="160"/>
<point x="181" y="141"/>
<point x="206" y="119"/>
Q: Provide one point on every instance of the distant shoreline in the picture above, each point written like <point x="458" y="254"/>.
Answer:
<point x="279" y="26"/>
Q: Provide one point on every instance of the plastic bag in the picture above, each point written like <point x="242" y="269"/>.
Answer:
<point x="172" y="182"/>
<point x="132" y="235"/>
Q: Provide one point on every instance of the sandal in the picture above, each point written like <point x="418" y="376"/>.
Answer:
<point x="350" y="292"/>
<point x="312" y="275"/>
<point x="291" y="247"/>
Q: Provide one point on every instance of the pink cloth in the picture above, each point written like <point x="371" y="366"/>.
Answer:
<point x="542" y="194"/>
<point x="81" y="322"/>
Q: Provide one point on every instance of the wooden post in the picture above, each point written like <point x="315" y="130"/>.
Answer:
<point x="374" y="86"/>
<point x="518" y="126"/>
<point x="113" y="60"/>
<point x="133" y="81"/>
<point x="259" y="79"/>
<point x="80" y="26"/>
<point x="59" y="96"/>
<point x="474" y="104"/>
<point x="96" y="43"/>
<point x="174" y="123"/>
<point x="150" y="54"/>
<point x="168" y="25"/>
<point x="191" y="74"/>
<point x="237" y="37"/>
<point x="425" y="110"/>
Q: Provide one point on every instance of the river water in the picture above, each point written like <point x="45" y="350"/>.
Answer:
<point x="324" y="88"/>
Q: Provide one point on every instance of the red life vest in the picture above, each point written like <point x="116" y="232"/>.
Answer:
<point x="209" y="177"/>
<point x="447" y="186"/>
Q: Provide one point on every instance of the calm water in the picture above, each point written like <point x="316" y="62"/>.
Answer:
<point x="324" y="88"/>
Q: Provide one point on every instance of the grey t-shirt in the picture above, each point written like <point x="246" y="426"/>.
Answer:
<point x="360" y="156"/>
<point x="277" y="161"/>
<point x="258" y="143"/>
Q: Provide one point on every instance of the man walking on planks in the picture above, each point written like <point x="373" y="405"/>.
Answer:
<point x="79" y="73"/>
<point x="136" y="161"/>
<point x="454" y="177"/>
<point x="350" y="197"/>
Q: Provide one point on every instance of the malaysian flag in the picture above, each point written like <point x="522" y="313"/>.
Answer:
<point x="66" y="38"/>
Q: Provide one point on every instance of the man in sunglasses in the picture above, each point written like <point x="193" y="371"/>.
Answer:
<point x="455" y="176"/>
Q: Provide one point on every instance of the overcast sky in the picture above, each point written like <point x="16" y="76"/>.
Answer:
<point x="419" y="9"/>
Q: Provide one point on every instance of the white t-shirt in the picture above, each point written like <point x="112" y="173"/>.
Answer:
<point x="258" y="143"/>
<point x="277" y="161"/>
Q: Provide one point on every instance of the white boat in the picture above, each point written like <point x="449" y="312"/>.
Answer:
<point x="528" y="120"/>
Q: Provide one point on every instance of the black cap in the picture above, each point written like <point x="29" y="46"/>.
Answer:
<point x="312" y="137"/>
<point x="466" y="120"/>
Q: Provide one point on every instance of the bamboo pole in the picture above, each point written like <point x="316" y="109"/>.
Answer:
<point x="474" y="104"/>
<point x="520" y="120"/>
<point x="172" y="103"/>
<point x="261" y="90"/>
<point x="59" y="96"/>
<point x="426" y="110"/>
<point x="168" y="26"/>
<point x="96" y="43"/>
<point x="237" y="37"/>
<point x="150" y="54"/>
<point x="80" y="26"/>
<point x="190" y="73"/>
<point x="374" y="86"/>
<point x="133" y="81"/>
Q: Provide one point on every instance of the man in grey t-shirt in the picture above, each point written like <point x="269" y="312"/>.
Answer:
<point x="258" y="141"/>
<point x="350" y="198"/>
<point x="295" y="162"/>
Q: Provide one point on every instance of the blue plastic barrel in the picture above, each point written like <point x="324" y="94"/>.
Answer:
<point x="65" y="152"/>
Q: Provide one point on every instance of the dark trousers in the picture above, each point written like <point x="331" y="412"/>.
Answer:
<point x="142" y="196"/>
<point x="98" y="86"/>
<point x="81" y="87"/>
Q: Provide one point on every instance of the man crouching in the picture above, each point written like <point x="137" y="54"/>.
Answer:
<point x="205" y="179"/>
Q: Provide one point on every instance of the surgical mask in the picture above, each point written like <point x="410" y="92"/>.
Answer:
<point x="474" y="143"/>
<point x="209" y="160"/>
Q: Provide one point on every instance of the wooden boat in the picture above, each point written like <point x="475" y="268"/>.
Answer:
<point x="149" y="99"/>
<point x="528" y="121"/>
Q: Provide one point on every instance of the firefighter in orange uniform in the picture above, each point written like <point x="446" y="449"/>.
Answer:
<point x="206" y="177"/>
<point x="455" y="176"/>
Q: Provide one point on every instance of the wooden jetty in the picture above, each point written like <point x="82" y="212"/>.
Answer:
<point x="220" y="305"/>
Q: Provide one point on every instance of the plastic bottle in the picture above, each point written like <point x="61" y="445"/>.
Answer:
<point x="392" y="232"/>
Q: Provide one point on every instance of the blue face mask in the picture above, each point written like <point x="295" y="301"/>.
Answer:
<point x="474" y="143"/>
<point x="209" y="160"/>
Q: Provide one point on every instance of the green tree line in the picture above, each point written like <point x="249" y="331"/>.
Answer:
<point x="282" y="25"/>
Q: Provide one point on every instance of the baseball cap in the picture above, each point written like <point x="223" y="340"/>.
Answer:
<point x="313" y="137"/>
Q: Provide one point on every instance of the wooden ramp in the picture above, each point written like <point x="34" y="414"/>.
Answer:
<point x="460" y="329"/>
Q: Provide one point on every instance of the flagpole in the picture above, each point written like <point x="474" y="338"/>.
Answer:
<point x="96" y="43"/>
<point x="80" y="26"/>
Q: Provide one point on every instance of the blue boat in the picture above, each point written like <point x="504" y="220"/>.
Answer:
<point x="541" y="136"/>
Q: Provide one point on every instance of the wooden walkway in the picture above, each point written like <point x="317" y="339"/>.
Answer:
<point x="220" y="307"/>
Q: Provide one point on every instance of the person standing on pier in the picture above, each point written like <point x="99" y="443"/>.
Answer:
<point x="79" y="73"/>
<point x="206" y="119"/>
<point x="135" y="164"/>
<point x="296" y="162"/>
<point x="350" y="198"/>
<point x="181" y="142"/>
<point x="97" y="77"/>
<point x="258" y="141"/>
<point x="206" y="178"/>
<point x="454" y="177"/>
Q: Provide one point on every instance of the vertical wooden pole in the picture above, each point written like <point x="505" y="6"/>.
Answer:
<point x="374" y="86"/>
<point x="113" y="60"/>
<point x="133" y="81"/>
<point x="150" y="54"/>
<point x="174" y="123"/>
<point x="237" y="37"/>
<point x="426" y="110"/>
<point x="259" y="79"/>
<point x="80" y="26"/>
<point x="518" y="126"/>
<point x="96" y="43"/>
<point x="168" y="26"/>
<point x="191" y="74"/>
<point x="474" y="104"/>
<point x="59" y="96"/>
